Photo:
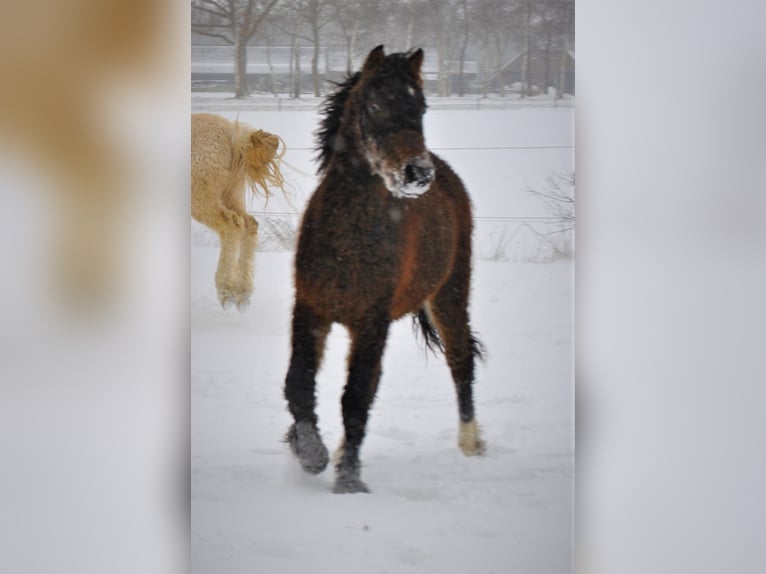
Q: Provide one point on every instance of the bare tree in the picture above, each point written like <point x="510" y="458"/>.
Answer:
<point x="442" y="16"/>
<point x="359" y="22"/>
<point x="319" y="14"/>
<point x="551" y="29"/>
<point x="235" y="22"/>
<point x="348" y="16"/>
<point x="288" y="20"/>
<point x="559" y="200"/>
<point x="307" y="21"/>
<point x="503" y="35"/>
<point x="499" y="25"/>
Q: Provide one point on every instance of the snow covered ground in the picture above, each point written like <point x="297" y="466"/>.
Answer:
<point x="431" y="509"/>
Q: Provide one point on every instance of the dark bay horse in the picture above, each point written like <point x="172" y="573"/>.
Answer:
<point x="386" y="233"/>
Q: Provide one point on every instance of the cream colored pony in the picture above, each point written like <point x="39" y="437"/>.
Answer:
<point x="227" y="157"/>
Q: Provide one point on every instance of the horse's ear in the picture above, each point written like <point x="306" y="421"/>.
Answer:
<point x="415" y="61"/>
<point x="374" y="58"/>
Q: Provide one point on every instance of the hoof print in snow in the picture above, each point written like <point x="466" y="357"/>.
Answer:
<point x="307" y="446"/>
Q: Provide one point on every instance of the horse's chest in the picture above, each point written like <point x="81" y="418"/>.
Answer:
<point x="351" y="253"/>
<point x="352" y="263"/>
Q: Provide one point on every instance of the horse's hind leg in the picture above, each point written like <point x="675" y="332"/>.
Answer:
<point x="309" y="333"/>
<point x="364" y="369"/>
<point x="249" y="241"/>
<point x="449" y="314"/>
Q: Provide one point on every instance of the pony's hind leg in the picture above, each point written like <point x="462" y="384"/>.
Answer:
<point x="309" y="333"/>
<point x="249" y="241"/>
<point x="461" y="348"/>
<point x="364" y="369"/>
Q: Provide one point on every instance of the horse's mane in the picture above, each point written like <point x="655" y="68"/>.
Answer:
<point x="332" y="108"/>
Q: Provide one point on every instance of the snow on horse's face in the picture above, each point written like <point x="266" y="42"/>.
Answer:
<point x="391" y="123"/>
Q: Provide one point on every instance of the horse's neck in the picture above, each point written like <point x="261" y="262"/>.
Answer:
<point x="349" y="181"/>
<point x="350" y="165"/>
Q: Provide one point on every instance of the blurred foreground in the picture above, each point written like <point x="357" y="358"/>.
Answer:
<point x="94" y="353"/>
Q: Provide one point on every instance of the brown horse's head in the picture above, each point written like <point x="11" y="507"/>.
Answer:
<point x="390" y="121"/>
<point x="376" y="118"/>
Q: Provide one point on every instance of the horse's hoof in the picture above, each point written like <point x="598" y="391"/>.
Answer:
<point x="478" y="448"/>
<point x="349" y="486"/>
<point x="226" y="298"/>
<point x="307" y="446"/>
<point x="243" y="303"/>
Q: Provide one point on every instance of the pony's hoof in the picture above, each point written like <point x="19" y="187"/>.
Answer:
<point x="227" y="299"/>
<point x="307" y="446"/>
<point x="243" y="302"/>
<point x="349" y="485"/>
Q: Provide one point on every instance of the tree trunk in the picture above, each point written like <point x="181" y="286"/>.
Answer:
<point x="565" y="53"/>
<point x="240" y="72"/>
<point x="441" y="59"/>
<point x="272" y="75"/>
<point x="298" y="71"/>
<point x="352" y="46"/>
<point x="291" y="81"/>
<point x="315" y="63"/>
<point x="563" y="70"/>
<point x="410" y="25"/>
<point x="295" y="62"/>
<point x="525" y="60"/>
<point x="484" y="59"/>
<point x="497" y="62"/>
<point x="547" y="55"/>
<point x="461" y="75"/>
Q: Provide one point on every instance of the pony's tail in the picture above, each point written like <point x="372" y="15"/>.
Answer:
<point x="422" y="324"/>
<point x="256" y="159"/>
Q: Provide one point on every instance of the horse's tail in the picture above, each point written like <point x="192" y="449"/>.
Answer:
<point x="256" y="159"/>
<point x="422" y="324"/>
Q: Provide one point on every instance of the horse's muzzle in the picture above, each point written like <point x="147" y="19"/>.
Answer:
<point x="418" y="174"/>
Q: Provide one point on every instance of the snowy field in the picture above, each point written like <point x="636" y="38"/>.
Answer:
<point x="431" y="510"/>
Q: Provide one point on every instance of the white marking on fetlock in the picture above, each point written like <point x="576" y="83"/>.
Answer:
<point x="469" y="438"/>
<point x="338" y="454"/>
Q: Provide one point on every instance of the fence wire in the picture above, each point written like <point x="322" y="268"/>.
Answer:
<point x="518" y="239"/>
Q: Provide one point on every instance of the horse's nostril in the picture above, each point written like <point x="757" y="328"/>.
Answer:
<point x="409" y="173"/>
<point x="419" y="173"/>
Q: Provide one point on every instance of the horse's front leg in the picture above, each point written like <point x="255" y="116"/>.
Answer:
<point x="229" y="227"/>
<point x="368" y="340"/>
<point x="248" y="243"/>
<point x="309" y="333"/>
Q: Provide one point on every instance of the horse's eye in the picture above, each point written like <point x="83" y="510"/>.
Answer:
<point x="373" y="107"/>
